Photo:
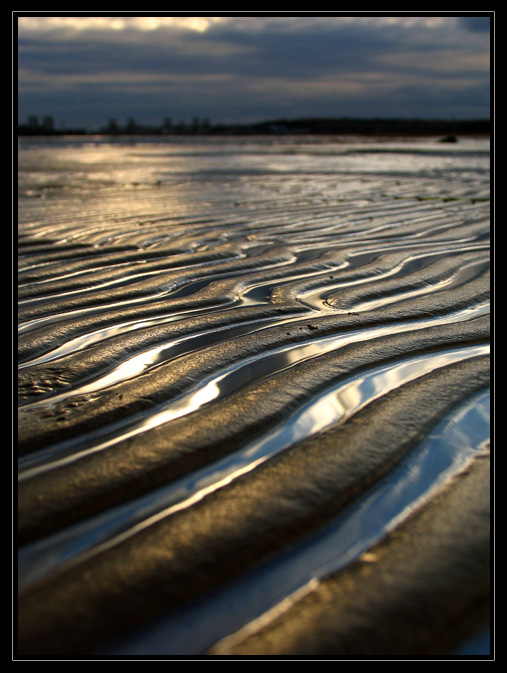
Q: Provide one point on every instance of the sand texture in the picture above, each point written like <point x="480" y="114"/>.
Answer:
<point x="253" y="397"/>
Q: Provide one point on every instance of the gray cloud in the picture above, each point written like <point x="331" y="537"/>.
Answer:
<point x="475" y="24"/>
<point x="249" y="68"/>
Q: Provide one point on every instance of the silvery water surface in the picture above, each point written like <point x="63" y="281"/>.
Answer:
<point x="308" y="226"/>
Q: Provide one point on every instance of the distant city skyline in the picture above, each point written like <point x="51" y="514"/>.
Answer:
<point x="83" y="71"/>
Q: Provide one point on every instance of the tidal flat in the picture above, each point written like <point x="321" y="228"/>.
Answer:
<point x="253" y="396"/>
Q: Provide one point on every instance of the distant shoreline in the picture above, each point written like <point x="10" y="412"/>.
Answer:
<point x="368" y="127"/>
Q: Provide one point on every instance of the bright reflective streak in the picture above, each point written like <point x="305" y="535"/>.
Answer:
<point x="138" y="364"/>
<point x="90" y="289"/>
<point x="86" y="340"/>
<point x="185" y="406"/>
<point x="340" y="404"/>
<point x="461" y="277"/>
<point x="231" y="378"/>
<point x="312" y="298"/>
<point x="445" y="452"/>
<point x="38" y="322"/>
<point x="329" y="408"/>
<point x="316" y="297"/>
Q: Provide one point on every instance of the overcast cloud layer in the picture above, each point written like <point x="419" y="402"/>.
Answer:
<point x="85" y="70"/>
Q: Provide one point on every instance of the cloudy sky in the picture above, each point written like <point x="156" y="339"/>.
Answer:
<point x="83" y="70"/>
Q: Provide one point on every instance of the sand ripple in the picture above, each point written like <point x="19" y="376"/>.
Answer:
<point x="248" y="369"/>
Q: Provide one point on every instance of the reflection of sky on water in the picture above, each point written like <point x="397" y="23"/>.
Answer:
<point x="452" y="443"/>
<point x="339" y="404"/>
<point x="97" y="162"/>
<point x="101" y="191"/>
<point x="329" y="196"/>
<point x="228" y="380"/>
<point x="322" y="411"/>
<point x="468" y="272"/>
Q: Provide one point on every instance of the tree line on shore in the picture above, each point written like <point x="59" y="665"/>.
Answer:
<point x="310" y="126"/>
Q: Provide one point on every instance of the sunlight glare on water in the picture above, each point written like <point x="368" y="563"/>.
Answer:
<point x="289" y="284"/>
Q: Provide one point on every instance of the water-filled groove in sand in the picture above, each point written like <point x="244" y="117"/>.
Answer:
<point x="253" y="379"/>
<point x="210" y="387"/>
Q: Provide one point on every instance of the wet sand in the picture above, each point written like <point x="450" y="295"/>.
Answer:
<point x="229" y="349"/>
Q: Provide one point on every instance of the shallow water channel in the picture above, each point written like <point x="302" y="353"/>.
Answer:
<point x="193" y="310"/>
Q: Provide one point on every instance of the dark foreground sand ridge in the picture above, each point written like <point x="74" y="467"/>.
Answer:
<point x="253" y="397"/>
